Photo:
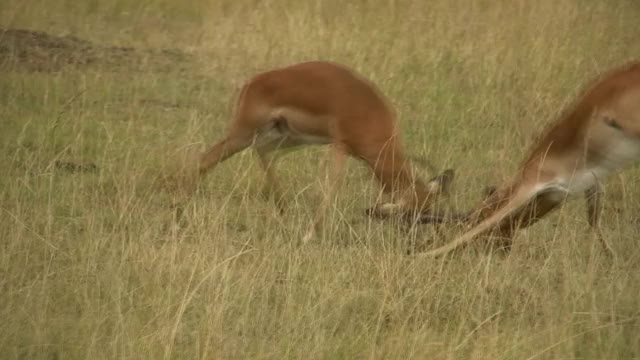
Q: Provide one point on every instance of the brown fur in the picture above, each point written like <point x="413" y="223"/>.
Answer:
<point x="574" y="142"/>
<point x="322" y="102"/>
<point x="568" y="131"/>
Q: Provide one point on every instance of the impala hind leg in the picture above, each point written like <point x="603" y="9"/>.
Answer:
<point x="271" y="187"/>
<point x="593" y="196"/>
<point x="187" y="180"/>
<point x="221" y="151"/>
<point x="333" y="181"/>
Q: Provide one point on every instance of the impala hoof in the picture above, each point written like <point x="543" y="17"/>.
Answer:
<point x="374" y="213"/>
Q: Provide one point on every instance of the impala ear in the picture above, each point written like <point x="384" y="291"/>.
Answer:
<point x="441" y="184"/>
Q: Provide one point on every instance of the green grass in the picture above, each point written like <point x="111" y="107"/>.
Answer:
<point x="94" y="265"/>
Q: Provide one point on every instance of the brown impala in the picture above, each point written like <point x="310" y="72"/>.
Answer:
<point x="598" y="135"/>
<point x="324" y="103"/>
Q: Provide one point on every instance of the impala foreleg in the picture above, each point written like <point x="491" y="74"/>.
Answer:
<point x="271" y="186"/>
<point x="333" y="180"/>
<point x="593" y="196"/>
<point x="538" y="208"/>
<point x="502" y="219"/>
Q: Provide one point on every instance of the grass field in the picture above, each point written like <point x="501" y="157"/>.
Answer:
<point x="94" y="265"/>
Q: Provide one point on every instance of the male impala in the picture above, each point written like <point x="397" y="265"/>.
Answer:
<point x="598" y="135"/>
<point x="323" y="103"/>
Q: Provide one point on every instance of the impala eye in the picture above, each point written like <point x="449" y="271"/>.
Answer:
<point x="280" y="124"/>
<point x="612" y="122"/>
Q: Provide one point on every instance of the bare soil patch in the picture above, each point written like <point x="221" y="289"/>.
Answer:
<point x="37" y="51"/>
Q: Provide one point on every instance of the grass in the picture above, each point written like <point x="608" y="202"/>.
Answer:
<point x="93" y="264"/>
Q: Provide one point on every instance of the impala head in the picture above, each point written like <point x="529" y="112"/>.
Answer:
<point x="438" y="187"/>
<point x="441" y="184"/>
<point x="419" y="198"/>
<point x="426" y="195"/>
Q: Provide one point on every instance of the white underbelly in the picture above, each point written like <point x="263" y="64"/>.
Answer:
<point x="623" y="152"/>
<point x="585" y="179"/>
<point x="273" y="137"/>
<point x="309" y="139"/>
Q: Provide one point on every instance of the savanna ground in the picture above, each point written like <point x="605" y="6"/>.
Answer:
<point x="96" y="108"/>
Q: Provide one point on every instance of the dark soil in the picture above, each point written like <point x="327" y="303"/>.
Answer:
<point x="38" y="51"/>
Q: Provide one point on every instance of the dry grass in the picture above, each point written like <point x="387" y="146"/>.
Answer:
<point x="94" y="265"/>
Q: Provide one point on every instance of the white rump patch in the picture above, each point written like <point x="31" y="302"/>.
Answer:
<point x="289" y="133"/>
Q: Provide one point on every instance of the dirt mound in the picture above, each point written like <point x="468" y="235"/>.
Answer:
<point x="38" y="51"/>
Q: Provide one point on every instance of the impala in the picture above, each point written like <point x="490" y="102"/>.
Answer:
<point x="596" y="136"/>
<point x="323" y="103"/>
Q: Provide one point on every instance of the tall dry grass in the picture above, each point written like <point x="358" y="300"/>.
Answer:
<point x="94" y="265"/>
